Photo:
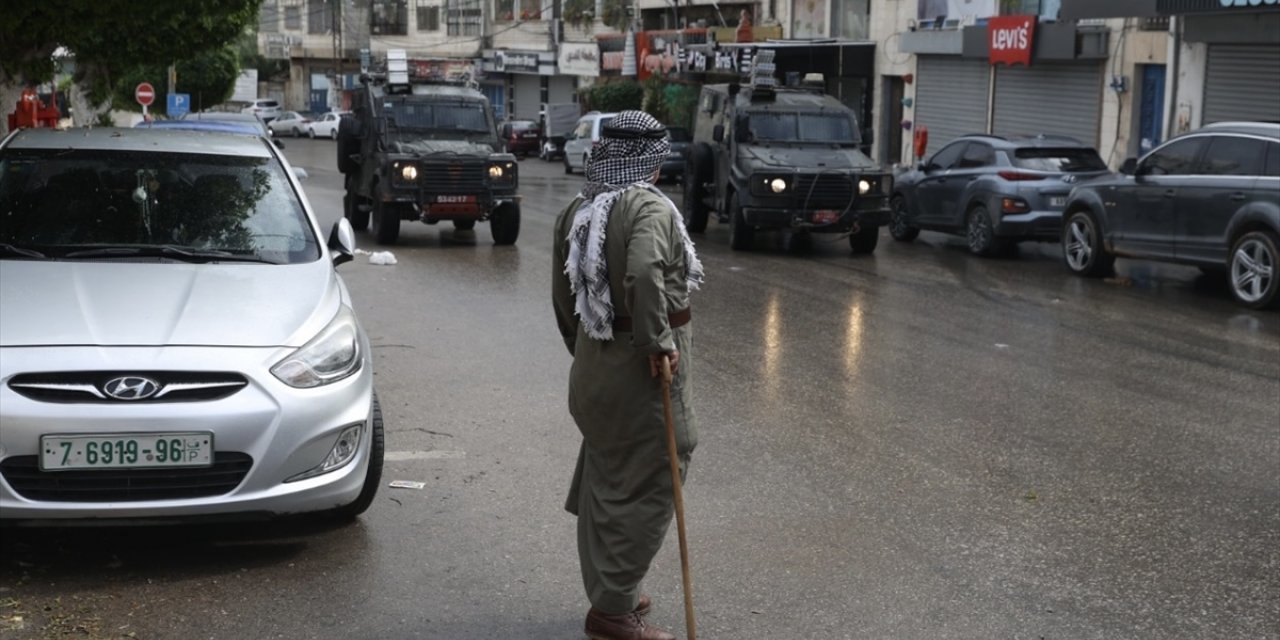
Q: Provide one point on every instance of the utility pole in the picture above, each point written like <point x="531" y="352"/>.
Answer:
<point x="335" y="84"/>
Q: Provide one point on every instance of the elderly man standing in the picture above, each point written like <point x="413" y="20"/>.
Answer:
<point x="624" y="267"/>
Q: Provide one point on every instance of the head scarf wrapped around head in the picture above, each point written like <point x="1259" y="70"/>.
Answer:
<point x="631" y="149"/>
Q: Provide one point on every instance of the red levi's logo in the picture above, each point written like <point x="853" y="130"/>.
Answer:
<point x="1009" y="39"/>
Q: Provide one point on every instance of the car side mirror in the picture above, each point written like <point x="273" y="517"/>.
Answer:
<point x="717" y="133"/>
<point x="279" y="143"/>
<point x="1129" y="167"/>
<point x="342" y="242"/>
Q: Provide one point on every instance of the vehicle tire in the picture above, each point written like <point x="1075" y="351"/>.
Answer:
<point x="504" y="223"/>
<point x="864" y="241"/>
<point x="386" y="220"/>
<point x="899" y="227"/>
<point x="348" y="145"/>
<point x="567" y="169"/>
<point x="695" y="191"/>
<point x="1254" y="273"/>
<point x="464" y="225"/>
<point x="297" y="133"/>
<point x="359" y="218"/>
<point x="979" y="233"/>
<point x="373" y="475"/>
<point x="333" y="134"/>
<point x="741" y="235"/>
<point x="311" y="133"/>
<point x="1083" y="250"/>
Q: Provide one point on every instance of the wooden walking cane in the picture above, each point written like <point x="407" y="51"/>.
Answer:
<point x="690" y="626"/>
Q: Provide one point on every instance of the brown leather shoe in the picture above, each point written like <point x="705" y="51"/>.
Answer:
<point x="626" y="626"/>
<point x="643" y="606"/>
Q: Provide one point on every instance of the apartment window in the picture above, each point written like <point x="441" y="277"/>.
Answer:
<point x="293" y="15"/>
<point x="389" y="18"/>
<point x="530" y="9"/>
<point x="319" y="16"/>
<point x="269" y="17"/>
<point x="463" y="17"/>
<point x="428" y="16"/>
<point x="504" y="10"/>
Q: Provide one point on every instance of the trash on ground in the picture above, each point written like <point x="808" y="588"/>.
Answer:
<point x="382" y="257"/>
<point x="407" y="484"/>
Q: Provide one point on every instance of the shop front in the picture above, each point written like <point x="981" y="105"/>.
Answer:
<point x="528" y="80"/>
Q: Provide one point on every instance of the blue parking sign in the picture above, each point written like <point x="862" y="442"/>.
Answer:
<point x="178" y="104"/>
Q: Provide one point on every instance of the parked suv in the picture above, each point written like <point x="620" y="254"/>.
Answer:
<point x="521" y="137"/>
<point x="577" y="146"/>
<point x="1209" y="198"/>
<point x="994" y="191"/>
<point x="265" y="109"/>
<point x="782" y="159"/>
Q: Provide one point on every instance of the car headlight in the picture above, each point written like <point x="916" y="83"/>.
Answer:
<point x="409" y="172"/>
<point x="502" y="171"/>
<point x="777" y="185"/>
<point x="332" y="355"/>
<point x="495" y="171"/>
<point x="864" y="186"/>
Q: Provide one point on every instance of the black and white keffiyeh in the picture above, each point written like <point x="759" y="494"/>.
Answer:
<point x="630" y="151"/>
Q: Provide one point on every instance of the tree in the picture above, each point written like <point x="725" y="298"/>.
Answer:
<point x="109" y="38"/>
<point x="209" y="78"/>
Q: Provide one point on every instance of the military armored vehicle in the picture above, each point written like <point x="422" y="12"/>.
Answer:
<point x="428" y="152"/>
<point x="781" y="158"/>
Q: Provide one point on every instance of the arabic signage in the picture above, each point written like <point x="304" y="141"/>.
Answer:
<point x="711" y="59"/>
<point x="579" y="59"/>
<point x="1009" y="39"/>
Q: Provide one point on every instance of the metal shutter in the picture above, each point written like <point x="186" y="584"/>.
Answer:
<point x="528" y="96"/>
<point x="1044" y="98"/>
<point x="951" y="97"/>
<point x="1241" y="83"/>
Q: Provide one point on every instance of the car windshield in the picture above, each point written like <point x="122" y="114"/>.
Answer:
<point x="781" y="126"/>
<point x="1068" y="160"/>
<point x="82" y="203"/>
<point x="434" y="116"/>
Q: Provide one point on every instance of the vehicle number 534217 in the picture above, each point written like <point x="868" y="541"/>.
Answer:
<point x="126" y="451"/>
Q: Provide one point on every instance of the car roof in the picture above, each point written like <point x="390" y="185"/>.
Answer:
<point x="144" y="139"/>
<point x="224" y="126"/>
<point x="1023" y="141"/>
<point x="1267" y="129"/>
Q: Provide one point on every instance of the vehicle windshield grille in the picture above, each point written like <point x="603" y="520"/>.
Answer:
<point x="24" y="475"/>
<point x="825" y="191"/>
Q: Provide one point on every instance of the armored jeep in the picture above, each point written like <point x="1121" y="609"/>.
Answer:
<point x="782" y="158"/>
<point x="428" y="152"/>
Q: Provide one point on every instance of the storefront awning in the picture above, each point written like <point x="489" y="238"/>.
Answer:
<point x="1085" y="9"/>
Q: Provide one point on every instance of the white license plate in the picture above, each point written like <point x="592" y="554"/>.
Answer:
<point x="1057" y="201"/>
<point x="126" y="451"/>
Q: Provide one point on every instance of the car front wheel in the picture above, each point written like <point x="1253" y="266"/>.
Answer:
<point x="741" y="234"/>
<point x="899" y="226"/>
<point x="373" y="475"/>
<point x="1082" y="247"/>
<point x="1253" y="271"/>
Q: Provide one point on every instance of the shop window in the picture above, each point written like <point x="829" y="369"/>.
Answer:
<point x="428" y="15"/>
<point x="463" y="17"/>
<point x="269" y="17"/>
<point x="389" y="18"/>
<point x="504" y="10"/>
<point x="1047" y="9"/>
<point x="293" y="15"/>
<point x="319" y="17"/>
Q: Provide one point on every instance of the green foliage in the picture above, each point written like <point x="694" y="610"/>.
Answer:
<point x="615" y="14"/>
<point x="209" y="78"/>
<point x="671" y="102"/>
<point x="109" y="37"/>
<point x="618" y="95"/>
<point x="579" y="13"/>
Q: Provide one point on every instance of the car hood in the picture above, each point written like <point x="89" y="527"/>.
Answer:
<point x="817" y="158"/>
<point x="145" y="304"/>
<point x="427" y="147"/>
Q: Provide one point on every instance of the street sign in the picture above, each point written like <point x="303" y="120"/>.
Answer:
<point x="178" y="104"/>
<point x="145" y="94"/>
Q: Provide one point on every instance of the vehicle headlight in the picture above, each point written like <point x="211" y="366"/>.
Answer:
<point x="495" y="171"/>
<point x="864" y="186"/>
<point x="777" y="185"/>
<point x="409" y="172"/>
<point x="332" y="355"/>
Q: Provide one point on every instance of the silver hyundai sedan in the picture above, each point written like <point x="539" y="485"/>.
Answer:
<point x="175" y="342"/>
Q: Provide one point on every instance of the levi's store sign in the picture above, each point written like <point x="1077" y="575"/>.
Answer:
<point x="1009" y="39"/>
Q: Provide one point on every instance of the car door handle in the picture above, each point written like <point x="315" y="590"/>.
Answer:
<point x="1238" y="196"/>
<point x="1169" y="193"/>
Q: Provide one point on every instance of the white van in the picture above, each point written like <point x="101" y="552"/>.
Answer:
<point x="577" y="145"/>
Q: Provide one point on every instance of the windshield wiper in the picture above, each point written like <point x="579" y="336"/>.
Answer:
<point x="165" y="251"/>
<point x="11" y="250"/>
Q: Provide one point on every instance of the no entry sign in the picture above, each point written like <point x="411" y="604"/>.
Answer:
<point x="145" y="94"/>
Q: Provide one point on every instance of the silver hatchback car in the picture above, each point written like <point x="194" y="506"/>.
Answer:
<point x="175" y="342"/>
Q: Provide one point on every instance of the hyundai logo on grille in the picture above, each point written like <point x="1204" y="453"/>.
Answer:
<point x="131" y="388"/>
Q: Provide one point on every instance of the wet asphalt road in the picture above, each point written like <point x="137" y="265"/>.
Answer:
<point x="917" y="444"/>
